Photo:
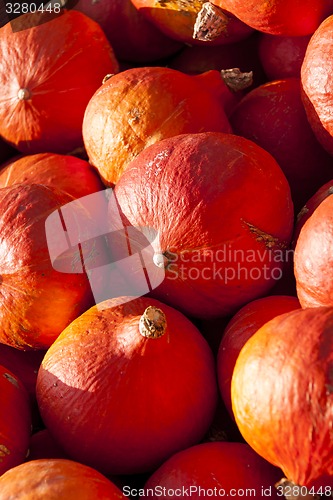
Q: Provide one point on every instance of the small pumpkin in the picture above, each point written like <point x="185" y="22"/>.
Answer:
<point x="221" y="209"/>
<point x="15" y="421"/>
<point x="54" y="479"/>
<point x="240" y="328"/>
<point x="147" y="371"/>
<point x="48" y="72"/>
<point x="223" y="468"/>
<point x="314" y="257"/>
<point x="140" y="106"/>
<point x="282" y="395"/>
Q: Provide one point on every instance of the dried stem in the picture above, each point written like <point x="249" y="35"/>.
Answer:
<point x="210" y="23"/>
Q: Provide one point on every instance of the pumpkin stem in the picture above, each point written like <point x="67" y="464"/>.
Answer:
<point x="107" y="77"/>
<point x="236" y="80"/>
<point x="210" y="23"/>
<point x="292" y="491"/>
<point x="152" y="323"/>
<point x="24" y="94"/>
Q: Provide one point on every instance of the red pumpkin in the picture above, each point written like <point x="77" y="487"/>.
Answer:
<point x="15" y="421"/>
<point x="132" y="37"/>
<point x="145" y="369"/>
<point x="176" y="18"/>
<point x="282" y="56"/>
<point x="272" y="115"/>
<point x="54" y="479"/>
<point x="43" y="445"/>
<point x="48" y="73"/>
<point x="228" y="469"/>
<point x="240" y="328"/>
<point x="221" y="209"/>
<point x="282" y="394"/>
<point x="147" y="105"/>
<point x="37" y="301"/>
<point x="279" y="17"/>
<point x="317" y="84"/>
<point x="67" y="173"/>
<point x="314" y="257"/>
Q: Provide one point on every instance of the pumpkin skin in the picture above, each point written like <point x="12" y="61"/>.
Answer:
<point x="37" y="301"/>
<point x="176" y="19"/>
<point x="65" y="172"/>
<point x="141" y="106"/>
<point x="313" y="257"/>
<point x="215" y="213"/>
<point x="155" y="396"/>
<point x="15" y="421"/>
<point x="272" y="115"/>
<point x="132" y="37"/>
<point x="54" y="479"/>
<point x="279" y="17"/>
<point x="43" y="445"/>
<point x="224" y="465"/>
<point x="240" y="328"/>
<point x="316" y="83"/>
<point x="43" y="97"/>
<point x="282" y="393"/>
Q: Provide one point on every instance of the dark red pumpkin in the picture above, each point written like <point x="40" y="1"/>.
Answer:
<point x="54" y="479"/>
<point x="317" y="84"/>
<point x="43" y="445"/>
<point x="147" y="372"/>
<point x="131" y="35"/>
<point x="240" y="328"/>
<point x="215" y="470"/>
<point x="141" y="106"/>
<point x="15" y="421"/>
<point x="282" y="395"/>
<point x="272" y="115"/>
<point x="38" y="301"/>
<point x="314" y="257"/>
<point x="221" y="209"/>
<point x="48" y="73"/>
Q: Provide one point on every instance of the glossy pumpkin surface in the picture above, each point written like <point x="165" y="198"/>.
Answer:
<point x="153" y="396"/>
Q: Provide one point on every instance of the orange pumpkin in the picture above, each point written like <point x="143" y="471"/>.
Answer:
<point x="48" y="73"/>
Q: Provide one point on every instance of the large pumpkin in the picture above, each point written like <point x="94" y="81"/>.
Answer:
<point x="48" y="73"/>
<point x="126" y="385"/>
<point x="53" y="479"/>
<point x="15" y="421"/>
<point x="37" y="301"/>
<point x="221" y="209"/>
<point x="282" y="394"/>
<point x="141" y="106"/>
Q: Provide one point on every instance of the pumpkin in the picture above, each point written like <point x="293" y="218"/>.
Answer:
<point x="313" y="257"/>
<point x="221" y="209"/>
<point x="54" y="479"/>
<point x="317" y="87"/>
<point x="131" y="35"/>
<point x="141" y="106"/>
<point x="65" y="172"/>
<point x="282" y="56"/>
<point x="48" y="73"/>
<point x="176" y="19"/>
<point x="272" y="115"/>
<point x="43" y="445"/>
<point x="240" y="328"/>
<point x="282" y="397"/>
<point x="38" y="301"/>
<point x="279" y="17"/>
<point x="147" y="372"/>
<point x="224" y="468"/>
<point x="15" y="421"/>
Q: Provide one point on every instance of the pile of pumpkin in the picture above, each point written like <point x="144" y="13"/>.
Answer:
<point x="166" y="225"/>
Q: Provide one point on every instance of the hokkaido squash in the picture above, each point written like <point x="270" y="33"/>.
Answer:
<point x="48" y="73"/>
<point x="141" y="106"/>
<point x="282" y="396"/>
<point x="15" y="421"/>
<point x="222" y="212"/>
<point x="54" y="479"/>
<point x="126" y="385"/>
